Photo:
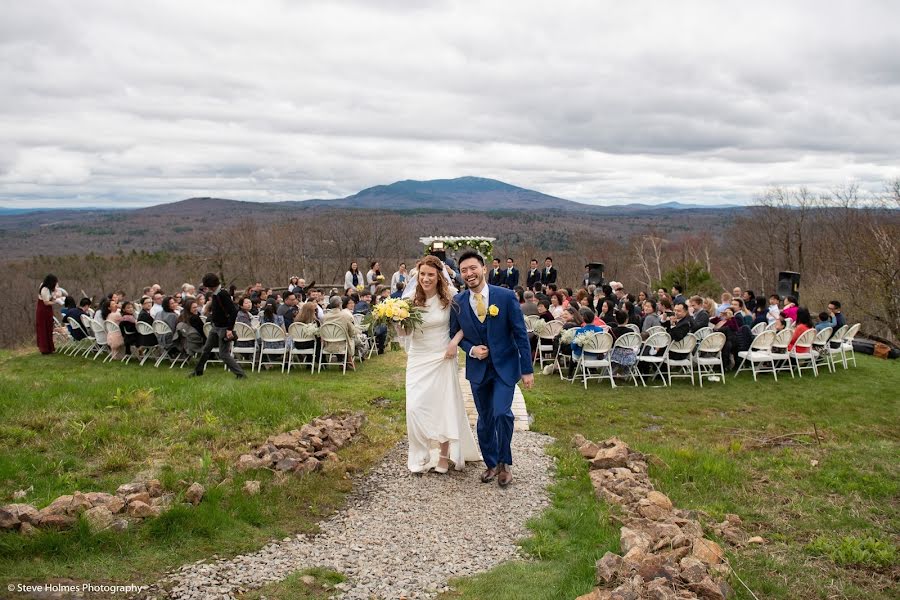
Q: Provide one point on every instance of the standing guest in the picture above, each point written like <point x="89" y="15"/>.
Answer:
<point x="534" y="275"/>
<point x="549" y="273"/>
<point x="399" y="276"/>
<point x="836" y="316"/>
<point x="374" y="278"/>
<point x="556" y="305"/>
<point x="790" y="308"/>
<point x="190" y="329"/>
<point x="497" y="276"/>
<point x="749" y="298"/>
<point x="128" y="327"/>
<point x="48" y="295"/>
<point x="353" y="278"/>
<point x="803" y="323"/>
<point x="651" y="319"/>
<point x="586" y="277"/>
<point x="293" y="284"/>
<point x="223" y="314"/>
<point x="678" y="294"/>
<point x="512" y="274"/>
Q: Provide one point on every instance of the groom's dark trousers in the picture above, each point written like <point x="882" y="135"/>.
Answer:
<point x="493" y="399"/>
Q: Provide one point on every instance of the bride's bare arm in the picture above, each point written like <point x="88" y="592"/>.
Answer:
<point x="453" y="346"/>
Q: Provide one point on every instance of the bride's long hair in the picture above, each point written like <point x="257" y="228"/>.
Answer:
<point x="443" y="290"/>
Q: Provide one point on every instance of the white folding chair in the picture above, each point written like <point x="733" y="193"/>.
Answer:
<point x="653" y="353"/>
<point x="88" y="329"/>
<point x="835" y="347"/>
<point x="655" y="329"/>
<point x="758" y="329"/>
<point x="781" y="358"/>
<point x="271" y="333"/>
<point x="598" y="345"/>
<point x="547" y="332"/>
<point x="333" y="335"/>
<point x="683" y="346"/>
<point x="164" y="337"/>
<point x="701" y="333"/>
<point x="820" y="348"/>
<point x="789" y="322"/>
<point x="531" y="321"/>
<point x="760" y="353"/>
<point x="847" y="345"/>
<point x="99" y="338"/>
<point x="77" y="345"/>
<point x="633" y="328"/>
<point x="709" y="356"/>
<point x="302" y="332"/>
<point x="809" y="357"/>
<point x="632" y="342"/>
<point x="214" y="352"/>
<point x="244" y="345"/>
<point x="145" y="329"/>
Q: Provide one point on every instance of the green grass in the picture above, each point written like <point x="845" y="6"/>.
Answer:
<point x="73" y="424"/>
<point x="833" y="528"/>
<point x="293" y="587"/>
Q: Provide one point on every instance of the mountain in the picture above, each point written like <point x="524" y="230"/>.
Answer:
<point x="463" y="193"/>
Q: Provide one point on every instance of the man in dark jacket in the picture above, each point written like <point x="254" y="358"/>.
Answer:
<point x="497" y="276"/>
<point x="679" y="330"/>
<point x="534" y="275"/>
<point x="700" y="316"/>
<point x="548" y="275"/>
<point x="223" y="314"/>
<point x="512" y="274"/>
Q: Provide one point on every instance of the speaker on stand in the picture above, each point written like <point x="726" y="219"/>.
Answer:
<point x="595" y="273"/>
<point x="788" y="285"/>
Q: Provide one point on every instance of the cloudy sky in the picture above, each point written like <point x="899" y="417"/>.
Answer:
<point x="137" y="103"/>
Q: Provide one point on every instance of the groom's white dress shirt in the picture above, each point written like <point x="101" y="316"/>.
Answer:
<point x="474" y="304"/>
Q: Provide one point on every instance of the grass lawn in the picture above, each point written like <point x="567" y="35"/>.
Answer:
<point x="833" y="528"/>
<point x="73" y="424"/>
<point x="833" y="525"/>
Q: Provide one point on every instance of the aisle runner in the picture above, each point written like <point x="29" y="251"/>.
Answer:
<point x="520" y="413"/>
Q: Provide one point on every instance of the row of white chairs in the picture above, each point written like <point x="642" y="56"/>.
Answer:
<point x="249" y="347"/>
<point x="826" y="347"/>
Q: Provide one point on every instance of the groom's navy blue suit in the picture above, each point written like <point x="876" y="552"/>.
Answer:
<point x="493" y="379"/>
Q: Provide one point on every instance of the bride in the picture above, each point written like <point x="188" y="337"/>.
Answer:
<point x="436" y="421"/>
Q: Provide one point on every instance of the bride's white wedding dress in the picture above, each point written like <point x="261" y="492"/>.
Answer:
<point x="434" y="402"/>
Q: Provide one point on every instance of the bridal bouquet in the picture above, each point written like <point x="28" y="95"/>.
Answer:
<point x="397" y="314"/>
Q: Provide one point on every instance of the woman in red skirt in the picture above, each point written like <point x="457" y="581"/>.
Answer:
<point x="44" y="315"/>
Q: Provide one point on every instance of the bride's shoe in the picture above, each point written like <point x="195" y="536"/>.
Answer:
<point x="443" y="470"/>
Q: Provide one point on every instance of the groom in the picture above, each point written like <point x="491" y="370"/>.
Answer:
<point x="497" y="355"/>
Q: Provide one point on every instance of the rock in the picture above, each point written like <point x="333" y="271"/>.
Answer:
<point x="154" y="488"/>
<point x="251" y="488"/>
<point x="578" y="440"/>
<point x="57" y="507"/>
<point x="734" y="536"/>
<point x="13" y="515"/>
<point x="692" y="570"/>
<point x="316" y="442"/>
<point x="309" y="465"/>
<point x="194" y="493"/>
<point x="660" y="500"/>
<point x="609" y="568"/>
<point x="138" y="497"/>
<point x="284" y="440"/>
<point x="287" y="464"/>
<point x="27" y="529"/>
<point x="248" y="461"/>
<point x="652" y="511"/>
<point x="660" y="589"/>
<point x="54" y="521"/>
<point x="162" y="502"/>
<point x="733" y="520"/>
<point x="98" y="518"/>
<point x="309" y="431"/>
<point x="652" y="567"/>
<point x="708" y="551"/>
<point x="131" y="488"/>
<point x="707" y="589"/>
<point x="308" y="579"/>
<point x="120" y="524"/>
<point x="588" y="450"/>
<point x="141" y="510"/>
<point x="630" y="538"/>
<point x="634" y="557"/>
<point x="613" y="453"/>
<point x="756" y="540"/>
<point x="594" y="594"/>
<point x="78" y="504"/>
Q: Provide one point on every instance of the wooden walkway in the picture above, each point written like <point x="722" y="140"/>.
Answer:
<point x="520" y="413"/>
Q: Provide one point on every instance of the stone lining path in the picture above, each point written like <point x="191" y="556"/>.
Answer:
<point x="400" y="534"/>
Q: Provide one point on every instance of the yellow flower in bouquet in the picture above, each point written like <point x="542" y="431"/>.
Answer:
<point x="360" y="287"/>
<point x="396" y="314"/>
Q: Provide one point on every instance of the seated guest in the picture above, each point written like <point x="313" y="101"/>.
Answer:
<point x="664" y="308"/>
<point x="270" y="315"/>
<point x="85" y="305"/>
<point x="740" y="310"/>
<point x="307" y="315"/>
<point x="790" y="308"/>
<point x="607" y="310"/>
<point x="170" y="318"/>
<point x="70" y="311"/>
<point x="824" y="321"/>
<point x="773" y="309"/>
<point x="116" y="342"/>
<point x="587" y="317"/>
<point x="726" y="303"/>
<point x="190" y="329"/>
<point x="642" y="297"/>
<point x="245" y="314"/>
<point x="344" y="319"/>
<point x="289" y="309"/>
<point x="619" y="324"/>
<point x="364" y="306"/>
<point x="348" y="304"/>
<point x="401" y="285"/>
<point x="529" y="307"/>
<point x="678" y="326"/>
<point x="802" y="323"/>
<point x="556" y="305"/>
<point x="148" y="340"/>
<point x="157" y="305"/>
<point x="544" y="312"/>
<point x="750" y="300"/>
<point x="728" y="320"/>
<point x="700" y="318"/>
<point x="622" y="357"/>
<point x="836" y="316"/>
<point x="128" y="327"/>
<point x="571" y="319"/>
<point x="651" y="319"/>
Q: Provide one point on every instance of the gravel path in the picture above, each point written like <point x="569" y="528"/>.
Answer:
<point x="400" y="534"/>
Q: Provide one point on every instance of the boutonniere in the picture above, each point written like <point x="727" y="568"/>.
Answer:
<point x="493" y="310"/>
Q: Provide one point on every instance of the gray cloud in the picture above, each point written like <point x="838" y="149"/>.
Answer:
<point x="106" y="101"/>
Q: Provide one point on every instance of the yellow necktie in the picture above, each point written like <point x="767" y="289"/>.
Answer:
<point x="479" y="307"/>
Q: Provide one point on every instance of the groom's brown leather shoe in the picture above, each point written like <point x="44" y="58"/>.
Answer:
<point x="488" y="475"/>
<point x="504" y="475"/>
